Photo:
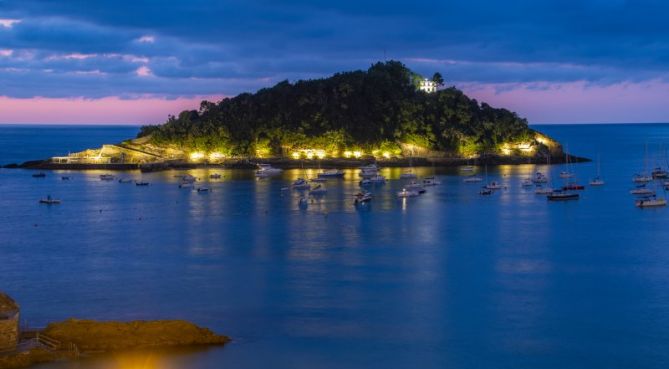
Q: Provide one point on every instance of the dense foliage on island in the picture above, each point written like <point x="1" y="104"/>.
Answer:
<point x="377" y="109"/>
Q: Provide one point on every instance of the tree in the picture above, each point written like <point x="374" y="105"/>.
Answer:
<point x="438" y="79"/>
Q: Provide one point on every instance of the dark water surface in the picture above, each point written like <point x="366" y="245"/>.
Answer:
<point x="447" y="280"/>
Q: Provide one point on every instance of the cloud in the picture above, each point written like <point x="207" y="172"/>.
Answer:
<point x="204" y="47"/>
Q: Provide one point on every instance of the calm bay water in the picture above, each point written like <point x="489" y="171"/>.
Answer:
<point x="447" y="280"/>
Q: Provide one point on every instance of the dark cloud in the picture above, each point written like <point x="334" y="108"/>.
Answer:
<point x="224" y="47"/>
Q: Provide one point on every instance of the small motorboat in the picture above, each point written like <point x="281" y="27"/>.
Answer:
<point x="485" y="191"/>
<point x="541" y="190"/>
<point x="365" y="182"/>
<point x="650" y="202"/>
<point x="573" y="187"/>
<point x="332" y="173"/>
<point x="430" y="181"/>
<point x="408" y="175"/>
<point x="65" y="178"/>
<point x="370" y="170"/>
<point x="266" y="170"/>
<point x="106" y="177"/>
<point x="377" y="179"/>
<point x="566" y="174"/>
<point x="215" y="176"/>
<point x="49" y="201"/>
<point x="416" y="186"/>
<point x="527" y="182"/>
<point x="318" y="180"/>
<point x="473" y="179"/>
<point x="362" y="198"/>
<point x="303" y="202"/>
<point x="186" y="185"/>
<point x="318" y="190"/>
<point x="301" y="184"/>
<point x="407" y="193"/>
<point x="203" y="189"/>
<point x="140" y="183"/>
<point x="640" y="178"/>
<point x="188" y="178"/>
<point x="125" y="180"/>
<point x="39" y="175"/>
<point x="539" y="178"/>
<point x="642" y="190"/>
<point x="597" y="181"/>
<point x="495" y="186"/>
<point x="467" y="168"/>
<point x="561" y="195"/>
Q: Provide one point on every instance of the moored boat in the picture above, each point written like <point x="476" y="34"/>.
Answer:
<point x="362" y="198"/>
<point x="107" y="177"/>
<point x="141" y="183"/>
<point x="430" y="181"/>
<point x="332" y="173"/>
<point x="560" y="195"/>
<point x="49" y="201"/>
<point x="407" y="193"/>
<point x="301" y="184"/>
<point x="125" y="180"/>
<point x="650" y="202"/>
<point x="318" y="190"/>
<point x="266" y="170"/>
<point x="473" y="179"/>
<point x="39" y="175"/>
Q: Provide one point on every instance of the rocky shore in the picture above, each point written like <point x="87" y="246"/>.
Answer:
<point x="75" y="337"/>
<point x="286" y="163"/>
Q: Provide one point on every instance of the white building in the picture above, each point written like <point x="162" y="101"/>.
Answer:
<point x="428" y="86"/>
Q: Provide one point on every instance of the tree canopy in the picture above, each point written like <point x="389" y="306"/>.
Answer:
<point x="380" y="107"/>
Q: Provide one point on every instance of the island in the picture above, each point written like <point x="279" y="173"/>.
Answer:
<point x="387" y="114"/>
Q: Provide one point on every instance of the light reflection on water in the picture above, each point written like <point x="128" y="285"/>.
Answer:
<point x="448" y="279"/>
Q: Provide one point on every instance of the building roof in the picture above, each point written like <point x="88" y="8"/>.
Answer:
<point x="8" y="306"/>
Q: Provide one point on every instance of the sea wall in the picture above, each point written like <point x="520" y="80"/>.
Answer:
<point x="9" y="333"/>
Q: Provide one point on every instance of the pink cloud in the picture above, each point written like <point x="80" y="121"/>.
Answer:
<point x="144" y="71"/>
<point x="578" y="102"/>
<point x="146" y="110"/>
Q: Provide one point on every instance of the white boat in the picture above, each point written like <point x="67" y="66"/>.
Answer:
<point x="468" y="168"/>
<point x="370" y="170"/>
<point x="318" y="190"/>
<point x="560" y="195"/>
<point x="215" y="176"/>
<point x="332" y="173"/>
<point x="407" y="193"/>
<point x="362" y="198"/>
<point x="597" y="181"/>
<point x="125" y="180"/>
<point x="301" y="184"/>
<point x="187" y="178"/>
<point x="49" y="201"/>
<point x="565" y="174"/>
<point x="303" y="202"/>
<point x="186" y="185"/>
<point x="377" y="179"/>
<point x="430" y="181"/>
<point x="642" y="191"/>
<point x="473" y="179"/>
<point x="415" y="186"/>
<point x="318" y="180"/>
<point x="539" y="178"/>
<point x="266" y="170"/>
<point x="543" y="190"/>
<point x="641" y="178"/>
<point x="494" y="186"/>
<point x="659" y="173"/>
<point x="650" y="202"/>
<point x="202" y="189"/>
<point x="106" y="177"/>
<point x="408" y="175"/>
<point x="527" y="182"/>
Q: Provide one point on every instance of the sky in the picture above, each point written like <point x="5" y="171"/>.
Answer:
<point x="136" y="61"/>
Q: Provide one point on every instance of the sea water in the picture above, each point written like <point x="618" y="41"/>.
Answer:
<point x="450" y="279"/>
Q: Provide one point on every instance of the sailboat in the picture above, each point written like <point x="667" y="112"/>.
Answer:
<point x="643" y="177"/>
<point x="567" y="173"/>
<point x="597" y="181"/>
